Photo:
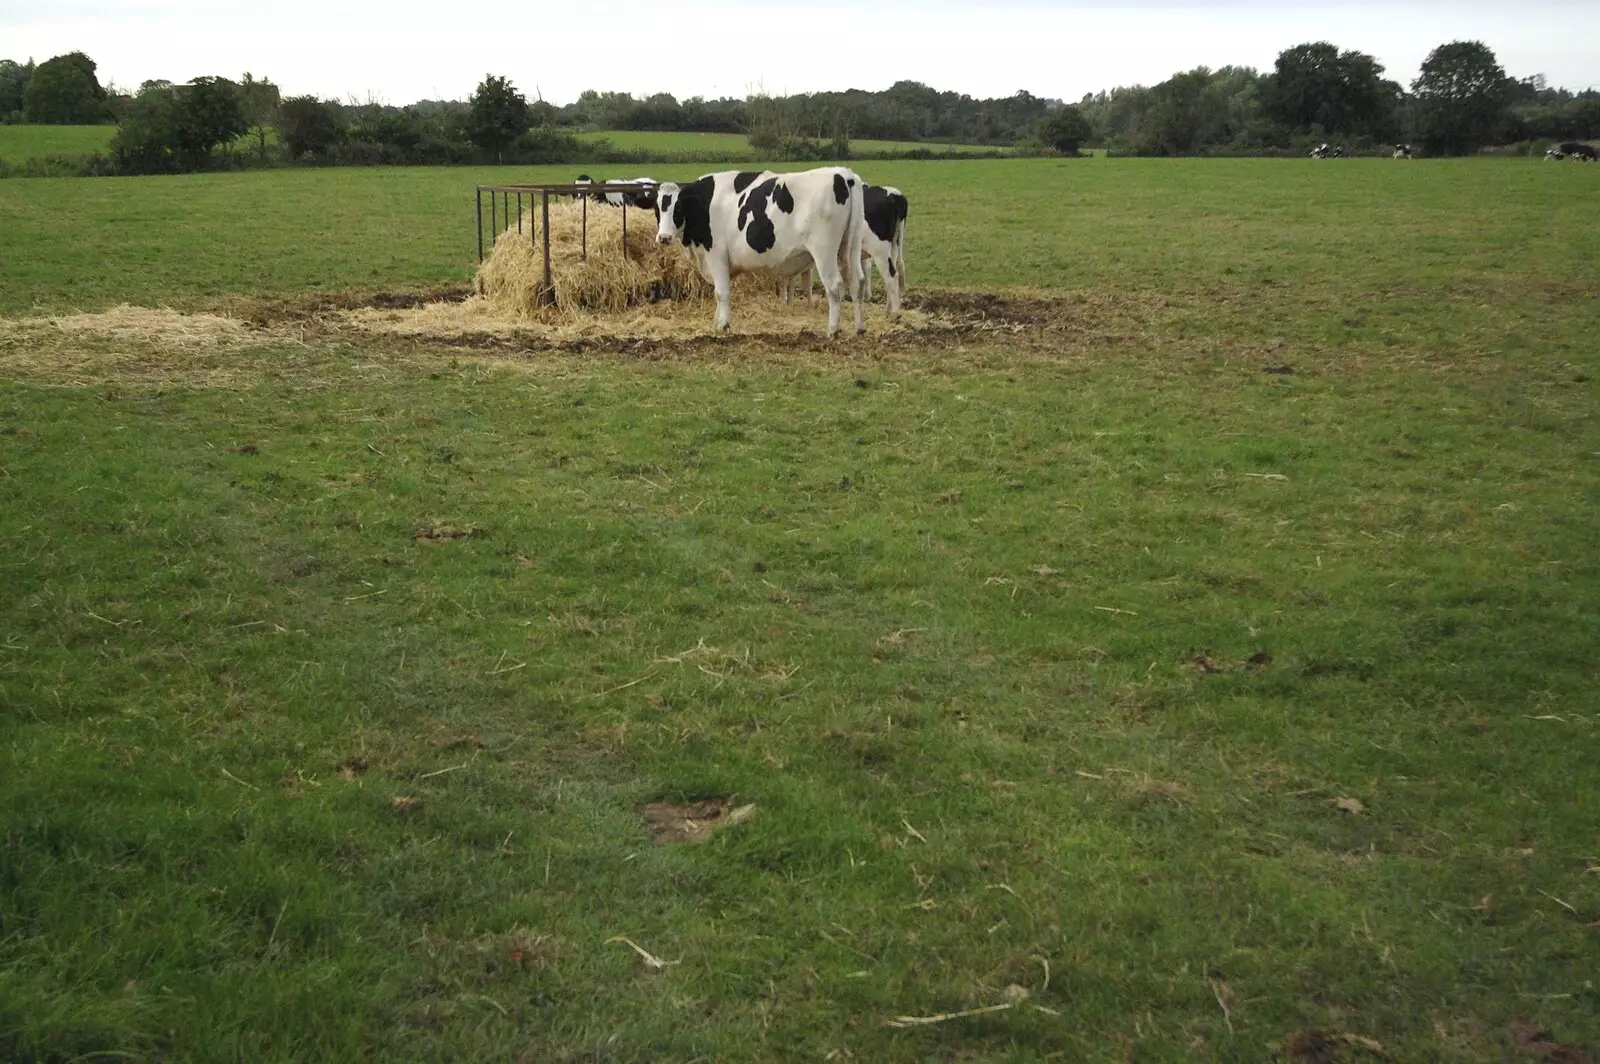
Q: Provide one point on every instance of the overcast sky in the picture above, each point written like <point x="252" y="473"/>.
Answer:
<point x="400" y="51"/>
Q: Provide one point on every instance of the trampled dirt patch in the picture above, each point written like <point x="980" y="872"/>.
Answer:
<point x="693" y="821"/>
<point x="160" y="346"/>
<point x="1536" y="1043"/>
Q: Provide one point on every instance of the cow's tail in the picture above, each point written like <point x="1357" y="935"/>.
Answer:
<point x="899" y="249"/>
<point x="855" y="231"/>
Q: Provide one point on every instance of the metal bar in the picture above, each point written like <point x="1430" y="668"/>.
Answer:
<point x="494" y="219"/>
<point x="624" y="227"/>
<point x="549" y="289"/>
<point x="519" y="212"/>
<point x="584" y="252"/>
<point x="479" y="198"/>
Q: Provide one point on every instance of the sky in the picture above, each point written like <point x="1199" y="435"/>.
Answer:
<point x="401" y="51"/>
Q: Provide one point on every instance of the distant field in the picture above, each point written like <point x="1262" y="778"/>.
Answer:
<point x="20" y="143"/>
<point x="736" y="143"/>
<point x="1185" y="662"/>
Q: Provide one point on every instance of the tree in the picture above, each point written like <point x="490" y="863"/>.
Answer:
<point x="307" y="126"/>
<point x="147" y="135"/>
<point x="1341" y="92"/>
<point x="64" y="91"/>
<point x="1064" y="128"/>
<point x="210" y="112"/>
<point x="1460" y="99"/>
<point x="499" y="115"/>
<point x="260" y="100"/>
<point x="13" y="84"/>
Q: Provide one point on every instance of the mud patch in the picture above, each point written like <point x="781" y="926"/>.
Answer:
<point x="693" y="821"/>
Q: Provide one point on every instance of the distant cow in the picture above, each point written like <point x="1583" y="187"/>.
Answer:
<point x="1578" y="150"/>
<point x="1555" y="154"/>
<point x="644" y="197"/>
<point x="883" y="244"/>
<point x="1328" y="151"/>
<point x="734" y="222"/>
<point x="1402" y="151"/>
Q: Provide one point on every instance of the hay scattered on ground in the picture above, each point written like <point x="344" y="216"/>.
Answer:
<point x="125" y="324"/>
<point x="755" y="313"/>
<point x="127" y="344"/>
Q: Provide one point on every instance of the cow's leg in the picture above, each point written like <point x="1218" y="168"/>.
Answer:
<point x="891" y="284"/>
<point x="866" y="276"/>
<point x="786" y="288"/>
<point x="723" y="283"/>
<point x="832" y="280"/>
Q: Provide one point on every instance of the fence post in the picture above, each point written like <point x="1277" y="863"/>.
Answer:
<point x="549" y="289"/>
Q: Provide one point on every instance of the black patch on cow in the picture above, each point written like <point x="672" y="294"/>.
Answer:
<point x="883" y="209"/>
<point x="744" y="179"/>
<point x="758" y="229"/>
<point x="783" y="199"/>
<point x="891" y="266"/>
<point x="841" y="191"/>
<point x="692" y="213"/>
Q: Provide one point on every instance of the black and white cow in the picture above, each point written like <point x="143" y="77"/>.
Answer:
<point x="1402" y="151"/>
<point x="734" y="222"/>
<point x="644" y="197"/>
<point x="1554" y="155"/>
<point x="1328" y="151"/>
<point x="1578" y="150"/>
<point x="883" y="245"/>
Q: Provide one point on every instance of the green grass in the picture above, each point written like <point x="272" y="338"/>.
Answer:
<point x="667" y="143"/>
<point x="936" y="612"/>
<point x="1374" y="231"/>
<point x="21" y="143"/>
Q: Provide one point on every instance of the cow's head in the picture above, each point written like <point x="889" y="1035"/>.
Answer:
<point x="669" y="201"/>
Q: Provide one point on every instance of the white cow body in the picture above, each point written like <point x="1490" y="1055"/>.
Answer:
<point x="735" y="222"/>
<point x="644" y="197"/>
<point x="883" y="244"/>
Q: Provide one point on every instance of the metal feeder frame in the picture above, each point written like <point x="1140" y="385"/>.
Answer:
<point x="500" y="208"/>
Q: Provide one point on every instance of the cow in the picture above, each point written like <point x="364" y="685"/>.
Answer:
<point x="1554" y="155"/>
<point x="1402" y="151"/>
<point x="1578" y="150"/>
<point x="882" y="244"/>
<point x="734" y="222"/>
<point x="644" y="197"/>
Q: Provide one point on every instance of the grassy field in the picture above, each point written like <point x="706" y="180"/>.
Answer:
<point x="738" y="144"/>
<point x="20" y="143"/>
<point x="1200" y="667"/>
<point x="1324" y="234"/>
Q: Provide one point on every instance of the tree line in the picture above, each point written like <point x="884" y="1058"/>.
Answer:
<point x="1460" y="101"/>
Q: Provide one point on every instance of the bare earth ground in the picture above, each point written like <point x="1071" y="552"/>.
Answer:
<point x="130" y="344"/>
